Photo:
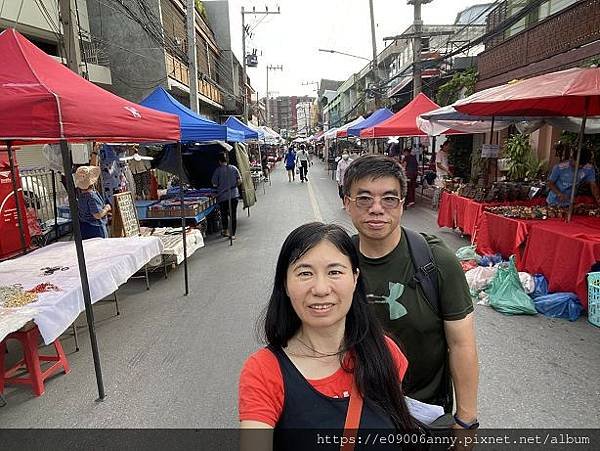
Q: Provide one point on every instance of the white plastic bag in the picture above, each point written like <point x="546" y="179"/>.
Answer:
<point x="527" y="281"/>
<point x="479" y="278"/>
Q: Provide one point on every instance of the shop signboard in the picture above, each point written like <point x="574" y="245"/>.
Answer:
<point x="490" y="151"/>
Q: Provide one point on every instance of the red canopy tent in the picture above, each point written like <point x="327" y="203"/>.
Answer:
<point x="572" y="92"/>
<point x="41" y="101"/>
<point x="404" y="122"/>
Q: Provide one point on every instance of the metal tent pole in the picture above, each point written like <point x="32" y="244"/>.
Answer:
<point x="578" y="158"/>
<point x="85" y="287"/>
<point x="13" y="175"/>
<point x="183" y="227"/>
<point x="230" y="222"/>
<point x="55" y="205"/>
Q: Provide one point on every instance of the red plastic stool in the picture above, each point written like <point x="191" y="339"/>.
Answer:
<point x="29" y="337"/>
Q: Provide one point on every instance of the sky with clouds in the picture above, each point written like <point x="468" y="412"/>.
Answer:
<point x="292" y="39"/>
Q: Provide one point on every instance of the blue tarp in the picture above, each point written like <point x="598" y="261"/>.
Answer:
<point x="194" y="128"/>
<point x="374" y="119"/>
<point x="248" y="131"/>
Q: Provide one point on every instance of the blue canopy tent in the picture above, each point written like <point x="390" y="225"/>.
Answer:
<point x="374" y="119"/>
<point x="194" y="128"/>
<point x="249" y="132"/>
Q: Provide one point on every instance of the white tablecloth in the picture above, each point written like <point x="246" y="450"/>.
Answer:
<point x="173" y="244"/>
<point x="12" y="319"/>
<point x="110" y="263"/>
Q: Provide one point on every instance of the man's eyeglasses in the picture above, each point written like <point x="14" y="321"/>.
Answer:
<point x="387" y="202"/>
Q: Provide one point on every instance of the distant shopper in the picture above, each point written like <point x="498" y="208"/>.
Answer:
<point x="339" y="173"/>
<point x="411" y="167"/>
<point x="290" y="164"/>
<point x="303" y="158"/>
<point x="226" y="180"/>
<point x="93" y="211"/>
<point x="442" y="167"/>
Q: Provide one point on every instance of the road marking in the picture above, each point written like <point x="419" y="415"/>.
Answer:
<point x="314" y="204"/>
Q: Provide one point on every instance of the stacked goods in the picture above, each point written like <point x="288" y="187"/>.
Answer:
<point x="500" y="191"/>
<point x="172" y="207"/>
<point x="542" y="212"/>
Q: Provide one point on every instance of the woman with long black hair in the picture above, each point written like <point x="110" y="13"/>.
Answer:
<point x="326" y="352"/>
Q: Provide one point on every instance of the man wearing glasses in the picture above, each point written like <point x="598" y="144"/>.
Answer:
<point x="439" y="343"/>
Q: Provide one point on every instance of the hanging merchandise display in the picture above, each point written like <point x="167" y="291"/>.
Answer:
<point x="139" y="165"/>
<point x="116" y="175"/>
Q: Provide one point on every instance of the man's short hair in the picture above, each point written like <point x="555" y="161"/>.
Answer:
<point x="374" y="167"/>
<point x="222" y="158"/>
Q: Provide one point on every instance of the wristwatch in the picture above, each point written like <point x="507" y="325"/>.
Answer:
<point x="462" y="424"/>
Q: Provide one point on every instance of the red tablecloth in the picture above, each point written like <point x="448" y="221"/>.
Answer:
<point x="564" y="253"/>
<point x="504" y="235"/>
<point x="466" y="214"/>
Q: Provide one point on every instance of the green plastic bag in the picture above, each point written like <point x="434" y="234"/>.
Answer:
<point x="468" y="253"/>
<point x="506" y="292"/>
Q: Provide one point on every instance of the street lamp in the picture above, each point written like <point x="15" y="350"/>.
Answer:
<point x="344" y="53"/>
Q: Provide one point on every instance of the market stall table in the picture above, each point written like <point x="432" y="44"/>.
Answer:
<point x="466" y="213"/>
<point x="564" y="253"/>
<point x="173" y="245"/>
<point x="195" y="220"/>
<point x="110" y="263"/>
<point x="507" y="236"/>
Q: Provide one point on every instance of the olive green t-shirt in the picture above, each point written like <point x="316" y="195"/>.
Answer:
<point x="418" y="329"/>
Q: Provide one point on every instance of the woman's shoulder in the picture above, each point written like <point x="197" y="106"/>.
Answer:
<point x="261" y="389"/>
<point x="398" y="356"/>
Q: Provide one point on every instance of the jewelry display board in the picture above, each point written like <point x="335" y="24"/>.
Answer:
<point x="125" y="220"/>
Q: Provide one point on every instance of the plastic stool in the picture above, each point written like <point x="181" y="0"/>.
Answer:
<point x="29" y="340"/>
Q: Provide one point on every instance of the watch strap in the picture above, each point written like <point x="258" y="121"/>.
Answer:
<point x="461" y="423"/>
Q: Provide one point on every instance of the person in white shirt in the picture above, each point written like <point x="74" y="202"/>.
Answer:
<point x="441" y="164"/>
<point x="302" y="158"/>
<point x="339" y="174"/>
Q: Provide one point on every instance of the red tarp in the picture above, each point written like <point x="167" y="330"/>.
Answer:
<point x="562" y="252"/>
<point x="572" y="92"/>
<point x="43" y="101"/>
<point x="404" y="122"/>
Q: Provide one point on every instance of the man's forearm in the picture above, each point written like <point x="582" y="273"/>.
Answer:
<point x="464" y="369"/>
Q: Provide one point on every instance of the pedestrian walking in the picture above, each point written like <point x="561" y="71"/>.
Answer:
<point x="226" y="180"/>
<point x="411" y="167"/>
<point x="417" y="289"/>
<point x="328" y="362"/>
<point x="290" y="164"/>
<point x="339" y="174"/>
<point x="302" y="158"/>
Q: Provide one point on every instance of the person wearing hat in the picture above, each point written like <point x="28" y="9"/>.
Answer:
<point x="92" y="209"/>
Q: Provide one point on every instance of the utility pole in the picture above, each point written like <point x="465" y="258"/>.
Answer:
<point x="418" y="32"/>
<point x="254" y="12"/>
<point x="375" y="73"/>
<point x="192" y="57"/>
<point x="270" y="68"/>
<point x="70" y="36"/>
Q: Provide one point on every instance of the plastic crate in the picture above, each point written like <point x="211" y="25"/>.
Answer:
<point x="594" y="298"/>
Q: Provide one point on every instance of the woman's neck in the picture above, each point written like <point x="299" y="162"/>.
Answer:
<point x="322" y="340"/>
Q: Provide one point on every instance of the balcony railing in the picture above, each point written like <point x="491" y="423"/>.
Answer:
<point x="572" y="28"/>
<point x="179" y="71"/>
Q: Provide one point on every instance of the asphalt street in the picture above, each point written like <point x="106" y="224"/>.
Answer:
<point x="173" y="361"/>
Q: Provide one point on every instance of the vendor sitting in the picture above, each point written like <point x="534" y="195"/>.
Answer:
<point x="560" y="181"/>
<point x="92" y="209"/>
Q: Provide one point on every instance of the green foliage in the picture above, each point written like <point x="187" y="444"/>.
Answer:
<point x="461" y="82"/>
<point x="200" y="8"/>
<point x="523" y="164"/>
<point x="591" y="142"/>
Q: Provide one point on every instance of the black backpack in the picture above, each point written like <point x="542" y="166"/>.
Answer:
<point x="425" y="268"/>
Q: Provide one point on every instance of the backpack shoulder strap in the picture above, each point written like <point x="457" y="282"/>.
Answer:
<point x="425" y="268"/>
